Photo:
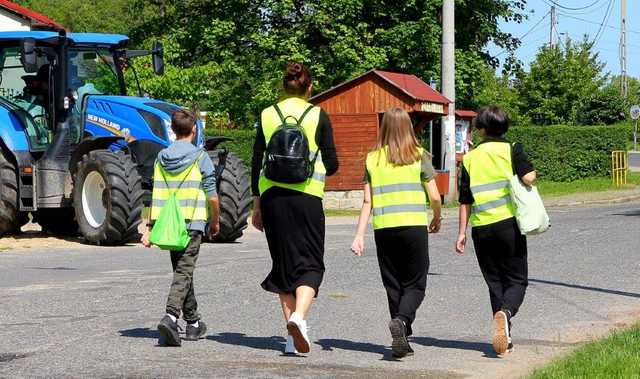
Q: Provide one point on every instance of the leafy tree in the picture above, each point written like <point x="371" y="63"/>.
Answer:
<point x="244" y="44"/>
<point x="113" y="16"/>
<point x="227" y="56"/>
<point x="500" y="91"/>
<point x="560" y="79"/>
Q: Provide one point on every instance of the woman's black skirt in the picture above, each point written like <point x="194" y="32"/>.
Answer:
<point x="294" y="226"/>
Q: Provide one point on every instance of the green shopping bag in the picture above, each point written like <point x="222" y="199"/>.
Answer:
<point x="170" y="231"/>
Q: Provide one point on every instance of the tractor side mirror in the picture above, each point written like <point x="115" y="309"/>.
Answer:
<point x="158" y="58"/>
<point x="28" y="55"/>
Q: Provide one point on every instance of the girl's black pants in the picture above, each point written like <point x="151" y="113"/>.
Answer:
<point x="502" y="254"/>
<point x="403" y="257"/>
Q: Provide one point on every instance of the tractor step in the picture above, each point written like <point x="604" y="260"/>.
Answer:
<point x="27" y="189"/>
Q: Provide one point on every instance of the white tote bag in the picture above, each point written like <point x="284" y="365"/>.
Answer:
<point x="531" y="215"/>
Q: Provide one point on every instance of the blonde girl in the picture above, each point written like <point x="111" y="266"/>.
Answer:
<point x="399" y="177"/>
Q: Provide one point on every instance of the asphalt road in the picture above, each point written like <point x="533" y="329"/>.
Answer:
<point x="92" y="312"/>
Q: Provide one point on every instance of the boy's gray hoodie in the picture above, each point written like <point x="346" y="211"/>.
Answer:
<point x="179" y="156"/>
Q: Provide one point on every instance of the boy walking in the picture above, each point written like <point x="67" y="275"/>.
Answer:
<point x="187" y="171"/>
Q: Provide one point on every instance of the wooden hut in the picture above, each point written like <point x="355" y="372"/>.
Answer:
<point x="356" y="107"/>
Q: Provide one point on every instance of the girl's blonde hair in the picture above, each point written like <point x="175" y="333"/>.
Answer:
<point x="397" y="134"/>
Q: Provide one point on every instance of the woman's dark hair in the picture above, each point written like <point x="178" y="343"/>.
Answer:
<point x="493" y="120"/>
<point x="297" y="79"/>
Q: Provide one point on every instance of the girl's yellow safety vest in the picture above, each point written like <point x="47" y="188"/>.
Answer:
<point x="399" y="198"/>
<point x="270" y="121"/>
<point x="188" y="188"/>
<point x="490" y="168"/>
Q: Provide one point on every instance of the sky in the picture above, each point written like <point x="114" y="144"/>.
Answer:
<point x="577" y="23"/>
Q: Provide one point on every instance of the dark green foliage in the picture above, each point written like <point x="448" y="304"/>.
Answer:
<point x="242" y="145"/>
<point x="604" y="107"/>
<point x="566" y="153"/>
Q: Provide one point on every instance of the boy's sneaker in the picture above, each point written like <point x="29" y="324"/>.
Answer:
<point x="195" y="333"/>
<point x="290" y="348"/>
<point x="510" y="348"/>
<point x="501" y="332"/>
<point x="297" y="328"/>
<point x="410" y="351"/>
<point x="399" y="345"/>
<point x="169" y="331"/>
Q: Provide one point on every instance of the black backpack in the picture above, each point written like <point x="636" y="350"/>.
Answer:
<point x="287" y="159"/>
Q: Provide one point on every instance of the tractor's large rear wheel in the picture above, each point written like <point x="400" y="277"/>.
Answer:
<point x="10" y="217"/>
<point x="234" y="194"/>
<point x="107" y="197"/>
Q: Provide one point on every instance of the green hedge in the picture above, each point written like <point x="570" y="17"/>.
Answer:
<point x="242" y="144"/>
<point x="559" y="153"/>
<point x="566" y="153"/>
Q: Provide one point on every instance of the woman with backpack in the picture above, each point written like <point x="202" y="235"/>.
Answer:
<point x="293" y="153"/>
<point x="399" y="178"/>
<point x="485" y="203"/>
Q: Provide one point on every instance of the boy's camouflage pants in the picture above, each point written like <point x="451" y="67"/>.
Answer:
<point x="182" y="296"/>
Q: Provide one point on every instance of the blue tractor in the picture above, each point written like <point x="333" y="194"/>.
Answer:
<point x="77" y="153"/>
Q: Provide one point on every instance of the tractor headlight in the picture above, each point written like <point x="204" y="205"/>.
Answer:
<point x="155" y="123"/>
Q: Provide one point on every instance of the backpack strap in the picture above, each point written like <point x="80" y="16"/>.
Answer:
<point x="304" y="114"/>
<point x="279" y="112"/>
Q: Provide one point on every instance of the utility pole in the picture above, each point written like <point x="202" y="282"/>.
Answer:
<point x="552" y="31"/>
<point x="449" y="91"/>
<point x="624" y="86"/>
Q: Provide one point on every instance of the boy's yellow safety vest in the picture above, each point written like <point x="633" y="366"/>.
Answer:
<point x="188" y="188"/>
<point x="490" y="168"/>
<point x="399" y="198"/>
<point x="270" y="121"/>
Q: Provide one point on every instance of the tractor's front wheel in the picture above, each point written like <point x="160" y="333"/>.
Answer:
<point x="10" y="222"/>
<point x="234" y="194"/>
<point x="107" y="197"/>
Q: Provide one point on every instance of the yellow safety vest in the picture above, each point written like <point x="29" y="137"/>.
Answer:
<point x="189" y="193"/>
<point x="271" y="121"/>
<point x="489" y="167"/>
<point x="399" y="198"/>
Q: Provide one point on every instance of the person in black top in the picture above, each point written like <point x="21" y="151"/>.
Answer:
<point x="292" y="216"/>
<point x="500" y="247"/>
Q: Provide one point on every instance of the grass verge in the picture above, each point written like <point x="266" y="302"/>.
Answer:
<point x="617" y="356"/>
<point x="548" y="188"/>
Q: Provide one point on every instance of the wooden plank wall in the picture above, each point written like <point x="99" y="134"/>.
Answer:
<point x="373" y="95"/>
<point x="355" y="135"/>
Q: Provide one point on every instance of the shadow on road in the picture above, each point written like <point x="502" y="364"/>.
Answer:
<point x="586" y="288"/>
<point x="241" y="339"/>
<point x="140" y="333"/>
<point x="328" y="344"/>
<point x="632" y="212"/>
<point x="482" y="347"/>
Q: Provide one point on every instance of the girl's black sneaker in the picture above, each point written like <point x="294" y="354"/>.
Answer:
<point x="399" y="345"/>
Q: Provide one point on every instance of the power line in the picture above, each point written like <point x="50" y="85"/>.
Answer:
<point x="605" y="21"/>
<point x="526" y="33"/>
<point x="597" y="23"/>
<point x="553" y="2"/>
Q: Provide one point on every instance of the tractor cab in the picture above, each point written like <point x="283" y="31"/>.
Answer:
<point x="76" y="151"/>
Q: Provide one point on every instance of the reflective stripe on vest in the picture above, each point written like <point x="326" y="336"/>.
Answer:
<point x="399" y="199"/>
<point x="190" y="195"/>
<point x="489" y="168"/>
<point x="270" y="121"/>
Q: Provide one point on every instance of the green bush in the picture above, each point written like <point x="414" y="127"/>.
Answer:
<point x="566" y="153"/>
<point x="242" y="144"/>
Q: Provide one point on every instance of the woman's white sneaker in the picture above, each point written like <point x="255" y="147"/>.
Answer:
<point x="297" y="328"/>
<point x="290" y="348"/>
